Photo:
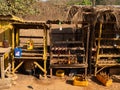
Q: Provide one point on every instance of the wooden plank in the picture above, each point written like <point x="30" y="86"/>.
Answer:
<point x="104" y="46"/>
<point x="68" y="65"/>
<point x="107" y="39"/>
<point x="66" y="55"/>
<point x="67" y="48"/>
<point x="67" y="42"/>
<point x="32" y="54"/>
<point x="28" y="58"/>
<point x="108" y="55"/>
<point x="37" y="37"/>
<point x="117" y="64"/>
<point x="33" y="50"/>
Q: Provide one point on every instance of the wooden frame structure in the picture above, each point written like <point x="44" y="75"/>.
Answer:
<point x="62" y="60"/>
<point x="16" y="43"/>
<point x="5" y="54"/>
<point x="108" y="49"/>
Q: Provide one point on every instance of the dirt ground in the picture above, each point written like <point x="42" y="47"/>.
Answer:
<point x="28" y="82"/>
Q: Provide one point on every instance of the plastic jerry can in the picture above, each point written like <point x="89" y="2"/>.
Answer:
<point x="17" y="52"/>
<point x="29" y="44"/>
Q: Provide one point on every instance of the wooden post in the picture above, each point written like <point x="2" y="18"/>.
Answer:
<point x="13" y="39"/>
<point x="45" y="48"/>
<point x="17" y="37"/>
<point x="50" y="33"/>
<point x="87" y="47"/>
<point x="13" y="46"/>
<point x="2" y="67"/>
<point x="91" y="41"/>
<point x="98" y="48"/>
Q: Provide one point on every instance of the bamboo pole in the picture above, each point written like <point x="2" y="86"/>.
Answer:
<point x="98" y="48"/>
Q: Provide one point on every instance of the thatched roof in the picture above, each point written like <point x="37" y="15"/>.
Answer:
<point x="93" y="15"/>
<point x="10" y="18"/>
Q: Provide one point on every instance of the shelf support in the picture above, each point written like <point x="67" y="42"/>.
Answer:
<point x="13" y="71"/>
<point x="45" y="50"/>
<point x="17" y="36"/>
<point x="98" y="48"/>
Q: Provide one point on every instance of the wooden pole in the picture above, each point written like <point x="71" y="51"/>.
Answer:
<point x="17" y="37"/>
<point x="13" y="71"/>
<point x="13" y="39"/>
<point x="45" y="48"/>
<point x="40" y="67"/>
<point x="2" y="67"/>
<point x="13" y="46"/>
<point x="91" y="41"/>
<point x="87" y="47"/>
<point x="98" y="48"/>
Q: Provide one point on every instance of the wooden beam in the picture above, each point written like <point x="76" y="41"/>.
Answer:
<point x="40" y="37"/>
<point x="13" y="39"/>
<point x="40" y="67"/>
<point x="8" y="68"/>
<point x="17" y="36"/>
<point x="87" y="48"/>
<point x="13" y="71"/>
<point x="98" y="48"/>
<point x="101" y="69"/>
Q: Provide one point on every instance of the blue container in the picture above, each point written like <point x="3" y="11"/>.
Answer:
<point x="17" y="52"/>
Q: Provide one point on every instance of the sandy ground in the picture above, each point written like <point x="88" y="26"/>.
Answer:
<point x="28" y="82"/>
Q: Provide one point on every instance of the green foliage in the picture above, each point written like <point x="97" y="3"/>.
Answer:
<point x="17" y="7"/>
<point x="86" y="2"/>
<point x="74" y="2"/>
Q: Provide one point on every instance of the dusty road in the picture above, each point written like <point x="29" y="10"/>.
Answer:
<point x="27" y="82"/>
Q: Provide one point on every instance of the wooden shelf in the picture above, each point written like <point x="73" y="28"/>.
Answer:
<point x="67" y="55"/>
<point x="109" y="55"/>
<point x="109" y="47"/>
<point x="67" y="42"/>
<point x="108" y="64"/>
<point x="67" y="48"/>
<point x="32" y="54"/>
<point x="37" y="37"/>
<point x="28" y="58"/>
<point x="34" y="50"/>
<point x="107" y="38"/>
<point x="68" y="65"/>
